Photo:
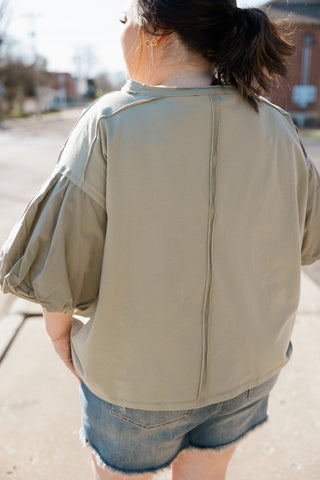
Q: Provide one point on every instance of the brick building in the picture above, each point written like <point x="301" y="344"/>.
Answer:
<point x="64" y="83"/>
<point x="299" y="93"/>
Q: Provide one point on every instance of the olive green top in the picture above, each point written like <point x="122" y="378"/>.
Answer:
<point x="175" y="222"/>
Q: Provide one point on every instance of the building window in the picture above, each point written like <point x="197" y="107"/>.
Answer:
<point x="62" y="79"/>
<point x="306" y="59"/>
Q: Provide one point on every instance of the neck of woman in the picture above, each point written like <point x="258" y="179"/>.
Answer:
<point x="188" y="79"/>
<point x="173" y="74"/>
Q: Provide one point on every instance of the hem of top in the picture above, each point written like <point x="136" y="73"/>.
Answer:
<point x="172" y="405"/>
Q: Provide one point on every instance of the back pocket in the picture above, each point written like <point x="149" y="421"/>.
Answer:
<point x="264" y="388"/>
<point x="148" y="418"/>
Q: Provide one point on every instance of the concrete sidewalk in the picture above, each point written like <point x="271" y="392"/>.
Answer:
<point x="40" y="411"/>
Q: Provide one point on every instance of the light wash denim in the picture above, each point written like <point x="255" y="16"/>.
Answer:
<point x="134" y="441"/>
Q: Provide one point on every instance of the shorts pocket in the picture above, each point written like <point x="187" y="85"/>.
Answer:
<point x="264" y="388"/>
<point x="148" y="418"/>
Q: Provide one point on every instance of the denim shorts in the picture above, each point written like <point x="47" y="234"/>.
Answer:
<point x="132" y="441"/>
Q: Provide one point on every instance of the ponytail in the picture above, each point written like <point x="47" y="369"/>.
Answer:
<point x="253" y="54"/>
<point x="246" y="49"/>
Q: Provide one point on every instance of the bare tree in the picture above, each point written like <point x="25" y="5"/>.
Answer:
<point x="4" y="20"/>
<point x="109" y="81"/>
<point x="84" y="59"/>
<point x="103" y="83"/>
<point x="18" y="82"/>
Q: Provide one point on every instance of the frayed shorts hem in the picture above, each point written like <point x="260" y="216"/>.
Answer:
<point x="106" y="466"/>
<point x="227" y="446"/>
<point x="166" y="467"/>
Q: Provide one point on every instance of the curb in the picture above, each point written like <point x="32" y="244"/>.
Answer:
<point x="9" y="327"/>
<point x="11" y="323"/>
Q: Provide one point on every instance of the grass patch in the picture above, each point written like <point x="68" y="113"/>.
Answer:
<point x="17" y="114"/>
<point x="310" y="133"/>
<point x="48" y="112"/>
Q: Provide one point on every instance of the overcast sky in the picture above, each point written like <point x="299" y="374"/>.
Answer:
<point x="66" y="29"/>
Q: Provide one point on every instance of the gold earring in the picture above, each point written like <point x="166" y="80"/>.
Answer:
<point x="151" y="44"/>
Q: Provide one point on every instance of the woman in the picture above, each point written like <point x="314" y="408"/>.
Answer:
<point x="175" y="221"/>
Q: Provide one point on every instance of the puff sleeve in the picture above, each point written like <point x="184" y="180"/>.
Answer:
<point x="310" y="251"/>
<point x="308" y="199"/>
<point x="54" y="253"/>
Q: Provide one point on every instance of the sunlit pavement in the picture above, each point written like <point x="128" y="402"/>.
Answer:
<point x="39" y="398"/>
<point x="40" y="411"/>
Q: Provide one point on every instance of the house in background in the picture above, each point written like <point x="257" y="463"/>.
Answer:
<point x="64" y="86"/>
<point x="299" y="93"/>
<point x="58" y="92"/>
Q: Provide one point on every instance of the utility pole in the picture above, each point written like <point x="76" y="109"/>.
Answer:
<point x="78" y="71"/>
<point x="31" y="17"/>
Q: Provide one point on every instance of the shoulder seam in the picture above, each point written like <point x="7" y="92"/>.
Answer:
<point x="276" y="107"/>
<point x="128" y="105"/>
<point x="84" y="187"/>
<point x="74" y="126"/>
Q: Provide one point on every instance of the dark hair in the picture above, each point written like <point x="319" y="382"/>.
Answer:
<point x="245" y="48"/>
